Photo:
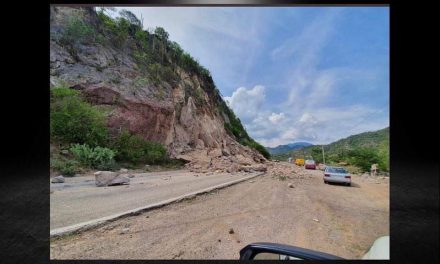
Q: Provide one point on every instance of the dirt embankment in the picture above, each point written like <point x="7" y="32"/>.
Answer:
<point x="335" y="219"/>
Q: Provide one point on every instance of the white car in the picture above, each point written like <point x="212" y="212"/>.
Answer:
<point x="337" y="175"/>
<point x="380" y="249"/>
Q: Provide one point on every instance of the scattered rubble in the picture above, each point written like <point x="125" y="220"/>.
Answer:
<point x="230" y="158"/>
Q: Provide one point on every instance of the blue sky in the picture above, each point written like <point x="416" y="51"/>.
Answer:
<point x="290" y="73"/>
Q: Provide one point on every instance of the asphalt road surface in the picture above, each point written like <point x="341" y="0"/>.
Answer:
<point x="79" y="200"/>
<point x="336" y="219"/>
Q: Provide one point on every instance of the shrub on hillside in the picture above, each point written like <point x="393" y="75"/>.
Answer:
<point x="97" y="157"/>
<point x="67" y="168"/>
<point x="253" y="144"/>
<point x="77" y="31"/>
<point x="135" y="149"/>
<point x="73" y="120"/>
<point x="118" y="28"/>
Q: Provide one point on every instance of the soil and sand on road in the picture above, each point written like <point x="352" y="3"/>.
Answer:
<point x="286" y="205"/>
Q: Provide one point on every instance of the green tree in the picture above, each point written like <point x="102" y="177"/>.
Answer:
<point x="177" y="52"/>
<point x="363" y="158"/>
<point x="77" y="31"/>
<point x="121" y="31"/>
<point x="316" y="153"/>
<point x="131" y="18"/>
<point x="161" y="34"/>
<point x="142" y="38"/>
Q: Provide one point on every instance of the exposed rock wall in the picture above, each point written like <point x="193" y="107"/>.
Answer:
<point x="158" y="112"/>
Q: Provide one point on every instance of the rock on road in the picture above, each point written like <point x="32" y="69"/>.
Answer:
<point x="336" y="219"/>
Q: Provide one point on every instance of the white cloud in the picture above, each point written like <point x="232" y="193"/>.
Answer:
<point x="246" y="103"/>
<point x="277" y="118"/>
<point x="318" y="126"/>
<point x="308" y="118"/>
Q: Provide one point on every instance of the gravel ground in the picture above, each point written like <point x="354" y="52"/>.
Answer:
<point x="336" y="219"/>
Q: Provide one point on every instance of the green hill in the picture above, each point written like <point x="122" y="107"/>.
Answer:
<point x="359" y="150"/>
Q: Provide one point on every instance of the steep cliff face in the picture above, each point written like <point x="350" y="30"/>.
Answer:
<point x="183" y="112"/>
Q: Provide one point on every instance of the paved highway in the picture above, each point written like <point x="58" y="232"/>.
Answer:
<point x="79" y="200"/>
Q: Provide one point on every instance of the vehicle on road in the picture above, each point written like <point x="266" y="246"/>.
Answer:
<point x="310" y="164"/>
<point x="299" y="162"/>
<point x="337" y="175"/>
<point x="260" y="251"/>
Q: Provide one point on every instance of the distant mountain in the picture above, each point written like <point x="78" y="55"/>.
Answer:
<point x="289" y="147"/>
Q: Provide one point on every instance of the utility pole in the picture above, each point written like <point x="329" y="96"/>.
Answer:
<point x="323" y="155"/>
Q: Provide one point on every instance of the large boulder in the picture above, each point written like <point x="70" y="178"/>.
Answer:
<point x="120" y="180"/>
<point x="109" y="178"/>
<point x="244" y="160"/>
<point x="232" y="168"/>
<point x="245" y="168"/>
<point x="259" y="167"/>
<point x="58" y="179"/>
<point x="253" y="168"/>
<point x="214" y="153"/>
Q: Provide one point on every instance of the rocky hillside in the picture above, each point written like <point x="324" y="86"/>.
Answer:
<point x="151" y="87"/>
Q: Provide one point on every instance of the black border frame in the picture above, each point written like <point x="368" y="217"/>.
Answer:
<point x="414" y="162"/>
